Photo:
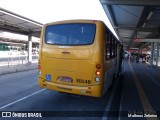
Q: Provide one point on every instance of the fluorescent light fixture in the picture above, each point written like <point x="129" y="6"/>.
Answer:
<point x="108" y="20"/>
<point x="144" y="24"/>
<point x="150" y="15"/>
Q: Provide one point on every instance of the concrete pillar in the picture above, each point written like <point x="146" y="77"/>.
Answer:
<point x="29" y="49"/>
<point x="152" y="52"/>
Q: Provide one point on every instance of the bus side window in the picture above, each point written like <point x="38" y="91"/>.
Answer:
<point x="113" y="47"/>
<point x="108" y="47"/>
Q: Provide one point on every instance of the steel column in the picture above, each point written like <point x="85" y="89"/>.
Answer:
<point x="29" y="49"/>
<point x="152" y="52"/>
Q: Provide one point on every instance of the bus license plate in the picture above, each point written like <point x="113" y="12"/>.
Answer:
<point x="65" y="79"/>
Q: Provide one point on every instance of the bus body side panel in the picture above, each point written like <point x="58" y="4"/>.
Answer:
<point x="110" y="70"/>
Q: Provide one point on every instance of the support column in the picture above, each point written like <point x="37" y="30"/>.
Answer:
<point x="152" y="52"/>
<point x="140" y="49"/>
<point x="157" y="54"/>
<point x="29" y="49"/>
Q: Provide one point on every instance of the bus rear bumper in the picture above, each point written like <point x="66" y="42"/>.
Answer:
<point x="94" y="90"/>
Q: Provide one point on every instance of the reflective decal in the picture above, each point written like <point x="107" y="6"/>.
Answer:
<point x="48" y="77"/>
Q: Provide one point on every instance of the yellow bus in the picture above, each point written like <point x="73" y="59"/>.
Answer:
<point x="78" y="57"/>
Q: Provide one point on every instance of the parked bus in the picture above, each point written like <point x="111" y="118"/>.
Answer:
<point x="78" y="57"/>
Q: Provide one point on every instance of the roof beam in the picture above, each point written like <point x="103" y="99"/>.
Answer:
<point x="130" y="2"/>
<point x="110" y="15"/>
<point x="138" y="25"/>
<point x="12" y="30"/>
<point x="128" y="38"/>
<point x="138" y="29"/>
<point x="19" y="16"/>
<point x="2" y="39"/>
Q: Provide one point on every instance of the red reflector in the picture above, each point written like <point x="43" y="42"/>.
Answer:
<point x="39" y="67"/>
<point x="98" y="73"/>
<point x="98" y="66"/>
<point x="94" y="21"/>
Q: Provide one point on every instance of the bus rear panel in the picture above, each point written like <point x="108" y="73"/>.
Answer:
<point x="72" y="57"/>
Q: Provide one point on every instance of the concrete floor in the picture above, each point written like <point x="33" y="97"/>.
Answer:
<point x="136" y="92"/>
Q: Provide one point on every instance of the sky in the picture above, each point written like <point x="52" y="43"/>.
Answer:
<point x="45" y="11"/>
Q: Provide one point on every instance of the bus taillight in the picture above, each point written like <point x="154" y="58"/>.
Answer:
<point x="39" y="67"/>
<point x="98" y="72"/>
<point x="98" y="66"/>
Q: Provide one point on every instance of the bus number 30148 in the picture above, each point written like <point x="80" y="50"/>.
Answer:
<point x="83" y="81"/>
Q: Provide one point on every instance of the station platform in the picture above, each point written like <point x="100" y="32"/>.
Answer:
<point x="7" y="69"/>
<point x="138" y="90"/>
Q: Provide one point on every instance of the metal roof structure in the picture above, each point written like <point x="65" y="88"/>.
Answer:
<point x="130" y="19"/>
<point x="17" y="41"/>
<point x="15" y="23"/>
<point x="133" y="19"/>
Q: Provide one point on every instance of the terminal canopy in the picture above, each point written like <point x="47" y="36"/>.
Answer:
<point x="14" y="23"/>
<point x="132" y="19"/>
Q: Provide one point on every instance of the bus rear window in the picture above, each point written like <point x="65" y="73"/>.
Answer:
<point x="70" y="34"/>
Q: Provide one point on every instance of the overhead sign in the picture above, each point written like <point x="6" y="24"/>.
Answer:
<point x="147" y="40"/>
<point x="137" y="40"/>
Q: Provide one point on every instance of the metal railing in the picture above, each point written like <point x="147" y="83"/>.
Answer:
<point x="19" y="59"/>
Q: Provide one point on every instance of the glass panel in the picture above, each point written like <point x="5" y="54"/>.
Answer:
<point x="70" y="34"/>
